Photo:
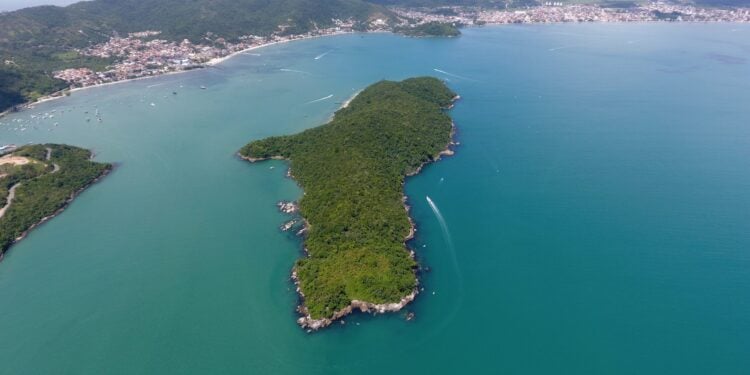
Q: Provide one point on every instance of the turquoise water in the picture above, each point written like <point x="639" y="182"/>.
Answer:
<point x="597" y="213"/>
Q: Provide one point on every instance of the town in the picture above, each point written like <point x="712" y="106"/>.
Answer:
<point x="142" y="54"/>
<point x="136" y="56"/>
<point x="557" y="12"/>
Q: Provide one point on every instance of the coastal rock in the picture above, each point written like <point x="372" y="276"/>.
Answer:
<point x="287" y="207"/>
<point x="308" y="323"/>
<point x="288" y="225"/>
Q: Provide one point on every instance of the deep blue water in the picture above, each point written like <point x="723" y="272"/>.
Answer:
<point x="596" y="214"/>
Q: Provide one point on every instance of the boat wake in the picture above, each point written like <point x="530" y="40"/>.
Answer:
<point x="293" y="71"/>
<point x="453" y="75"/>
<point x="321" y="99"/>
<point x="322" y="55"/>
<point x="452" y="252"/>
<point x="559" y="48"/>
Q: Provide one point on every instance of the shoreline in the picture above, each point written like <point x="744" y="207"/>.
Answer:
<point x="62" y="208"/>
<point x="208" y="64"/>
<point x="218" y="60"/>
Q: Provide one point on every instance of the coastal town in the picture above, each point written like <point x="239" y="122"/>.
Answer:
<point x="143" y="54"/>
<point x="556" y="12"/>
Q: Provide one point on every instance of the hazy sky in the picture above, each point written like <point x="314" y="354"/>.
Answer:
<point x="18" y="4"/>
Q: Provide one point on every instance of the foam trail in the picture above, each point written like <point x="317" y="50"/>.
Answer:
<point x="444" y="227"/>
<point x="150" y="86"/>
<point x="293" y="71"/>
<point x="452" y="251"/>
<point x="453" y="75"/>
<point x="559" y="48"/>
<point x="322" y="55"/>
<point x="320" y="100"/>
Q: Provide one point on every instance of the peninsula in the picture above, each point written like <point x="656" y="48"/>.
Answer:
<point x="430" y="29"/>
<point x="37" y="182"/>
<point x="352" y="171"/>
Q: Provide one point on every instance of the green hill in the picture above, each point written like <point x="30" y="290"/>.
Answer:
<point x="52" y="175"/>
<point x="352" y="171"/>
<point x="36" y="41"/>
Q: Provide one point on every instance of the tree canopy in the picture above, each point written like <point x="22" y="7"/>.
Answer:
<point x="352" y="170"/>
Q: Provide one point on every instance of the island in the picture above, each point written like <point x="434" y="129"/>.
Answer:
<point x="352" y="172"/>
<point x="429" y="29"/>
<point x="37" y="182"/>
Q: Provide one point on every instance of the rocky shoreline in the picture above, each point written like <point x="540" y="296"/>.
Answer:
<point x="306" y="321"/>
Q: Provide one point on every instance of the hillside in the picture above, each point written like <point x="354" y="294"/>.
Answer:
<point x="352" y="171"/>
<point x="36" y="181"/>
<point x="36" y="41"/>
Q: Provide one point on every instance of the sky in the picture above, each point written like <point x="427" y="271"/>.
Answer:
<point x="6" y="5"/>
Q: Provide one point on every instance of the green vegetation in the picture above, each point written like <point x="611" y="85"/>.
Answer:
<point x="45" y="187"/>
<point x="441" y="29"/>
<point x="667" y="16"/>
<point x="352" y="171"/>
<point x="36" y="41"/>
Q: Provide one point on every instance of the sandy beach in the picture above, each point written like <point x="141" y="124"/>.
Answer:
<point x="213" y="62"/>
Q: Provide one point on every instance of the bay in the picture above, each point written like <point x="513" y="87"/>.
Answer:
<point x="596" y="214"/>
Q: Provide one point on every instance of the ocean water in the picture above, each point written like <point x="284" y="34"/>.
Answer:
<point x="594" y="220"/>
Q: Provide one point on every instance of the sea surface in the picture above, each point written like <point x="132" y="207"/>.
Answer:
<point x="594" y="220"/>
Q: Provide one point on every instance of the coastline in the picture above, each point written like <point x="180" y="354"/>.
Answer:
<point x="210" y="63"/>
<point x="218" y="60"/>
<point x="306" y="321"/>
<point x="58" y="211"/>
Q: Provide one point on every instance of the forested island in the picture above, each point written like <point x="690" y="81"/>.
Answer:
<point x="434" y="28"/>
<point x="352" y="171"/>
<point x="38" y="181"/>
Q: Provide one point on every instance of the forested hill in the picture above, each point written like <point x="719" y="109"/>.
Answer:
<point x="352" y="171"/>
<point x="36" y="41"/>
<point x="87" y="21"/>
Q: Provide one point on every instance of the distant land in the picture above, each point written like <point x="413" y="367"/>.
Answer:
<point x="38" y="181"/>
<point x="46" y="50"/>
<point x="432" y="28"/>
<point x="10" y="5"/>
<point x="352" y="171"/>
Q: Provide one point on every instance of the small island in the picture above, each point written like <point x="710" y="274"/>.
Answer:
<point x="352" y="171"/>
<point x="37" y="182"/>
<point x="430" y="29"/>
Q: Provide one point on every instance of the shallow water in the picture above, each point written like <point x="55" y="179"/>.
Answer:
<point x="596" y="214"/>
